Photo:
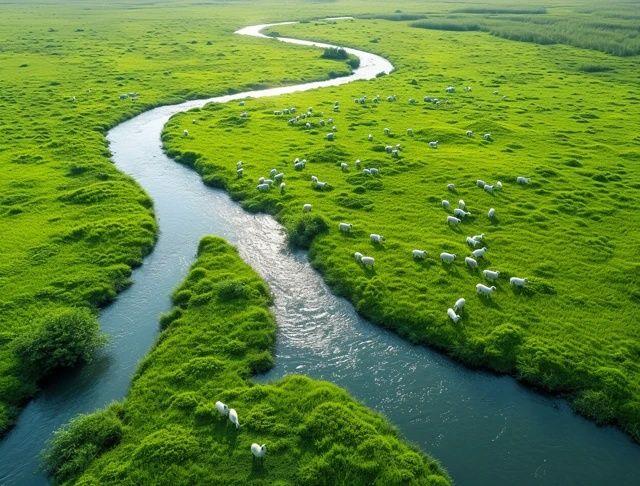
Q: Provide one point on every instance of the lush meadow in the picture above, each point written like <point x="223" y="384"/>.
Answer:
<point x="167" y="431"/>
<point x="72" y="226"/>
<point x="573" y="231"/>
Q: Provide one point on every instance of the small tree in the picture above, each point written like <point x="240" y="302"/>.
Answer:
<point x="64" y="340"/>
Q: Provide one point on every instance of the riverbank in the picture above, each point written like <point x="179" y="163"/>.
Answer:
<point x="218" y="335"/>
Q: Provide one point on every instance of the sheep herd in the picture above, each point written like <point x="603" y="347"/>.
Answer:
<point x="258" y="451"/>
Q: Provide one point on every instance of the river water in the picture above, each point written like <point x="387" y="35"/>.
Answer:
<point x="486" y="430"/>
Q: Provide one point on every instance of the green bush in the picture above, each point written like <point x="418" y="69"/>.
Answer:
<point x="63" y="340"/>
<point x="304" y="229"/>
<point x="335" y="53"/>
<point x="74" y="447"/>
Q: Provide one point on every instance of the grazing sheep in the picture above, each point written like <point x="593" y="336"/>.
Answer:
<point x="427" y="99"/>
<point x="450" y="89"/>
<point x="498" y="185"/>
<point x="479" y="252"/>
<point x="367" y="261"/>
<point x="278" y="177"/>
<point x="452" y="315"/>
<point x="299" y="165"/>
<point x="488" y="188"/>
<point x="321" y="185"/>
<point x="419" y="254"/>
<point x="258" y="451"/>
<point x="307" y="126"/>
<point x="238" y="164"/>
<point x="518" y="282"/>
<point x="273" y="172"/>
<point x="472" y="242"/>
<point x="409" y="131"/>
<point x="492" y="213"/>
<point x="268" y="181"/>
<point x="447" y="257"/>
<point x="433" y="144"/>
<point x="412" y="101"/>
<point x="233" y="417"/>
<point x="240" y="172"/>
<point x="387" y="131"/>
<point x="358" y="256"/>
<point x="484" y="290"/>
<point x="469" y="133"/>
<point x="370" y="137"/>
<point x="467" y="89"/>
<point x="344" y="166"/>
<point x="222" y="409"/>
<point x="453" y="220"/>
<point x="374" y="171"/>
<point x="263" y="187"/>
<point x="314" y="179"/>
<point x="461" y="204"/>
<point x="451" y="187"/>
<point x="357" y="163"/>
<point x="334" y="128"/>
<point x="523" y="180"/>
<point x="391" y="98"/>
<point x="330" y="136"/>
<point x="366" y="171"/>
<point x="330" y="121"/>
<point x="459" y="304"/>
<point x="376" y="238"/>
<point x="481" y="183"/>
<point x="345" y="227"/>
<point x="185" y="133"/>
<point x="241" y="103"/>
<point x="470" y="262"/>
<point x="461" y="213"/>
<point x="479" y="237"/>
<point x="490" y="274"/>
<point x="306" y="208"/>
<point x="261" y="180"/>
<point x="388" y="148"/>
<point x="446" y="204"/>
<point x="282" y="187"/>
<point x="487" y="136"/>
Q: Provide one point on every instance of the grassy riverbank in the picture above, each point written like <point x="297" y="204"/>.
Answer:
<point x="167" y="431"/>
<point x="73" y="226"/>
<point x="572" y="231"/>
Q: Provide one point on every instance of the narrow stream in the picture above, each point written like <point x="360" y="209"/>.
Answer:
<point x="486" y="430"/>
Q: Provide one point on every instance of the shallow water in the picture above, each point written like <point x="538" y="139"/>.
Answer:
<point x="485" y="429"/>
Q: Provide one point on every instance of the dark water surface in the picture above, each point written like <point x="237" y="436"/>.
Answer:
<point x="486" y="430"/>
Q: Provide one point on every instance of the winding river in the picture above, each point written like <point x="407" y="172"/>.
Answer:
<point x="485" y="429"/>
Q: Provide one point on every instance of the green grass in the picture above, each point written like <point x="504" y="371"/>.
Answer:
<point x="573" y="231"/>
<point x="73" y="226"/>
<point x="167" y="431"/>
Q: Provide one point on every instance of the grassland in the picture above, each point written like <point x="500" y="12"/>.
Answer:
<point x="573" y="231"/>
<point x="167" y="431"/>
<point x="72" y="226"/>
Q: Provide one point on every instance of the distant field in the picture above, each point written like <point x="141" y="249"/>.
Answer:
<point x="167" y="431"/>
<point x="563" y="116"/>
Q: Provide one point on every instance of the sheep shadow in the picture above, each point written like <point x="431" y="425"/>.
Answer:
<point x="450" y="268"/>
<point x="488" y="301"/>
<point x="456" y="229"/>
<point x="258" y="468"/>
<point x="424" y="263"/>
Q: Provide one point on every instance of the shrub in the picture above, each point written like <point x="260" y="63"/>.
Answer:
<point x="72" y="448"/>
<point x="235" y="289"/>
<point x="63" y="340"/>
<point x="334" y="53"/>
<point x="304" y="229"/>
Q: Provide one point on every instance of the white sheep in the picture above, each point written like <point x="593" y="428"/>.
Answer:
<point x="419" y="254"/>
<point x="447" y="257"/>
<point x="484" y="290"/>
<point x="461" y="204"/>
<point x="472" y="242"/>
<point x="518" y="282"/>
<point x="222" y="409"/>
<point x="345" y="227"/>
<point x="366" y="171"/>
<point x="314" y="179"/>
<point x="433" y="144"/>
<point x="479" y="237"/>
<point x="450" y="89"/>
<point x="480" y="183"/>
<point x="321" y="185"/>
<point x="306" y="208"/>
<point x="268" y="181"/>
<point x="282" y="187"/>
<point x="233" y="417"/>
<point x="386" y="131"/>
<point x="451" y="187"/>
<point x="453" y="316"/>
<point x="367" y="261"/>
<point x="344" y="166"/>
<point x="461" y="213"/>
<point x="470" y="262"/>
<point x="330" y="136"/>
<point x="446" y="204"/>
<point x="488" y="188"/>
<point x="263" y="187"/>
<point x="307" y="125"/>
<point x="487" y="136"/>
<point x="258" y="451"/>
<point x="374" y="171"/>
<point x="358" y="256"/>
<point x="409" y="131"/>
<point x="239" y="164"/>
<point x="185" y="133"/>
<point x="498" y="185"/>
<point x="278" y="177"/>
<point x="370" y="137"/>
<point x="523" y="180"/>
<point x="358" y="163"/>
<point x="479" y="253"/>
<point x="491" y="274"/>
<point x="240" y="172"/>
<point x="376" y="238"/>
<point x="469" y="133"/>
<point x="261" y="180"/>
<point x="491" y="213"/>
<point x="453" y="220"/>
<point x="299" y="165"/>
<point x="459" y="304"/>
